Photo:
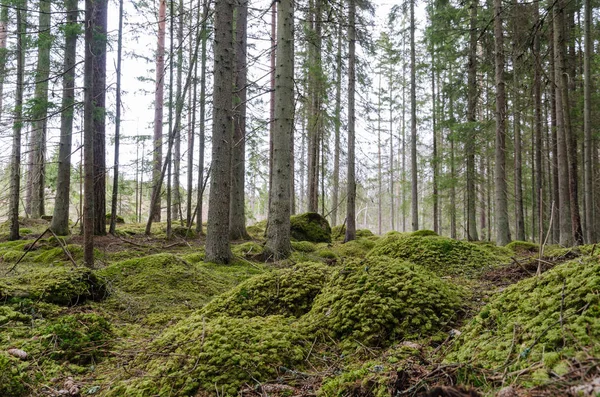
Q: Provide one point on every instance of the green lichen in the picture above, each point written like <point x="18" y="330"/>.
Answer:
<point x="310" y="226"/>
<point x="220" y="355"/>
<point x="289" y="292"/>
<point x="441" y="255"/>
<point x="541" y="319"/>
<point x="304" y="246"/>
<point x="380" y="300"/>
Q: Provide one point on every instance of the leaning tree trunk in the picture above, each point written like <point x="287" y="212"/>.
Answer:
<point x="15" y="161"/>
<point x="502" y="226"/>
<point x="278" y="228"/>
<point x="237" y="213"/>
<point x="351" y="175"/>
<point x="217" y="238"/>
<point x="60" y="217"/>
<point x="40" y="111"/>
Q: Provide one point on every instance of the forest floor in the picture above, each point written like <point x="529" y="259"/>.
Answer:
<point x="404" y="314"/>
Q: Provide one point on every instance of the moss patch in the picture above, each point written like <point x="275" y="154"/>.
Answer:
<point x="521" y="326"/>
<point x="12" y="377"/>
<point x="288" y="292"/>
<point x="247" y="249"/>
<point x="356" y="248"/>
<point x="424" y="233"/>
<point x="523" y="246"/>
<point x="304" y="246"/>
<point x="381" y="300"/>
<point x="310" y="226"/>
<point x="439" y="254"/>
<point x="222" y="354"/>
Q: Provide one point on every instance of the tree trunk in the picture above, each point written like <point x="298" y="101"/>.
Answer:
<point x="502" y="227"/>
<point x="3" y="49"/>
<point x="538" y="174"/>
<point x="435" y="160"/>
<point x="518" y="150"/>
<point x="588" y="183"/>
<point x="88" y="136"/>
<point x="60" y="217"/>
<point x="176" y="207"/>
<point x="201" y="138"/>
<point x="192" y="119"/>
<point x="155" y="212"/>
<point x="237" y="213"/>
<point x="413" y="123"/>
<point x="217" y="239"/>
<point x="338" y="125"/>
<point x="472" y="119"/>
<point x="379" y="162"/>
<point x="15" y="162"/>
<point x="40" y="111"/>
<point x="315" y="123"/>
<point x="278" y="229"/>
<point x="351" y="175"/>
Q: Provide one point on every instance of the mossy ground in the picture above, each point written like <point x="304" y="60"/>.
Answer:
<point x="370" y="317"/>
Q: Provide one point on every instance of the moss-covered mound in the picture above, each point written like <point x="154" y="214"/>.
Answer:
<point x="441" y="255"/>
<point x="220" y="355"/>
<point x="380" y="300"/>
<point x="424" y="233"/>
<point x="61" y="284"/>
<point x="310" y="226"/>
<point x="304" y="246"/>
<point x="157" y="283"/>
<point x="523" y="246"/>
<point x="247" y="249"/>
<point x="12" y="377"/>
<point x="356" y="248"/>
<point x="542" y="319"/>
<point x="287" y="292"/>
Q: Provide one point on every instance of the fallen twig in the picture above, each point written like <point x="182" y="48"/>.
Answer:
<point x="27" y="251"/>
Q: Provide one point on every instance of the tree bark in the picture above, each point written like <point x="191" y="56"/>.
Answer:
<point x="217" y="239"/>
<point x="472" y="119"/>
<point x="60" y="217"/>
<point x="201" y="138"/>
<point x="338" y="125"/>
<point x="3" y="49"/>
<point x="176" y="207"/>
<point x="590" y="215"/>
<point x="278" y="229"/>
<point x="88" y="137"/>
<point x="351" y="174"/>
<point x="413" y="123"/>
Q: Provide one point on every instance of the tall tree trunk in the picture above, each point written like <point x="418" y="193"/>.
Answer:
<point x="538" y="174"/>
<point x="237" y="213"/>
<point x="351" y="175"/>
<point x="192" y="117"/>
<point x="451" y="138"/>
<point x="338" y="125"/>
<point x="60" y="217"/>
<point x="435" y="161"/>
<point x="3" y="49"/>
<point x="217" y="239"/>
<point x="155" y="212"/>
<point x="518" y="150"/>
<point x="554" y="137"/>
<point x="278" y="229"/>
<point x="391" y="109"/>
<point x="115" y="190"/>
<point x="502" y="227"/>
<point x="201" y="138"/>
<point x="315" y="75"/>
<point x="588" y="184"/>
<point x="472" y="119"/>
<point x="379" y="162"/>
<point x="88" y="136"/>
<point x="176" y="207"/>
<point x="15" y="161"/>
<point x="40" y="111"/>
<point x="99" y="100"/>
<point x="566" y="233"/>
<point x="413" y="123"/>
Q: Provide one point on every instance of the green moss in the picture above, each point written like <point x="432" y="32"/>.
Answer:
<point x="13" y="379"/>
<point x="288" y="292"/>
<point x="338" y="232"/>
<point x="439" y="254"/>
<point x="424" y="233"/>
<point x="356" y="248"/>
<point x="364" y="233"/>
<point x="304" y="246"/>
<point x="223" y="354"/>
<point x="523" y="246"/>
<point x="163" y="282"/>
<point x="25" y="231"/>
<point x="62" y="285"/>
<point x="380" y="300"/>
<point x="310" y="226"/>
<point x="521" y="325"/>
<point x="326" y="253"/>
<point x="257" y="230"/>
<point x="79" y="338"/>
<point x="119" y="218"/>
<point x="247" y="249"/>
<point x="12" y="256"/>
<point x="184" y="232"/>
<point x="58" y="254"/>
<point x="368" y="379"/>
<point x="8" y="315"/>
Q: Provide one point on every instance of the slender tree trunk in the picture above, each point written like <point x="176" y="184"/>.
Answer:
<point x="338" y="125"/>
<point x="60" y="218"/>
<point x="588" y="139"/>
<point x="435" y="161"/>
<point x="237" y="213"/>
<point x="217" y="239"/>
<point x="278" y="229"/>
<point x="15" y="161"/>
<point x="391" y="109"/>
<point x="472" y="119"/>
<point x="554" y="135"/>
<point x="518" y="150"/>
<point x="3" y="49"/>
<point x="315" y="97"/>
<point x="192" y="119"/>
<point x="502" y="227"/>
<point x="451" y="138"/>
<point x="379" y="162"/>
<point x="201" y="138"/>
<point x="88" y="136"/>
<point x="176" y="207"/>
<point x="40" y="111"/>
<point x="99" y="100"/>
<point x="538" y="174"/>
<point x="351" y="175"/>
<point x="272" y="96"/>
<point x="155" y="212"/>
<point x="413" y="123"/>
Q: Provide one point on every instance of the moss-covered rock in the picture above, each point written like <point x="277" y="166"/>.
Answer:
<point x="531" y="322"/>
<point x="119" y="218"/>
<point x="60" y="284"/>
<point x="304" y="246"/>
<point x="523" y="246"/>
<point x="380" y="300"/>
<point x="80" y="338"/>
<point x="310" y="226"/>
<point x="220" y="355"/>
<point x="289" y="292"/>
<point x="441" y="255"/>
